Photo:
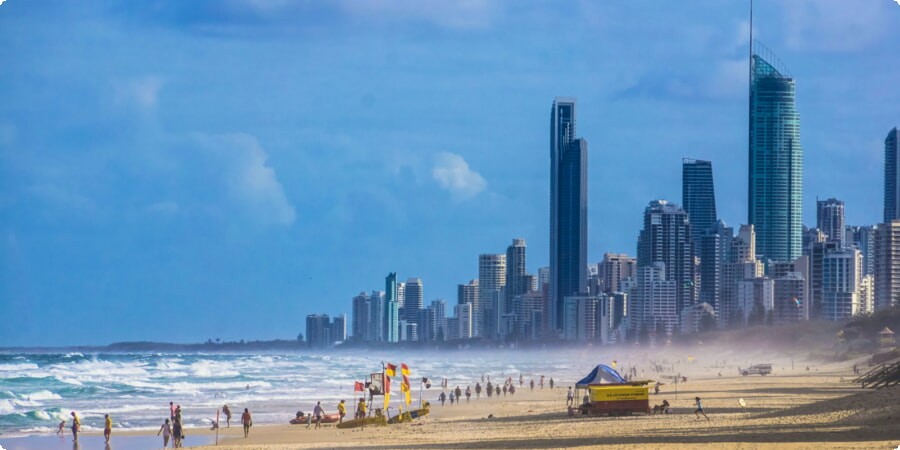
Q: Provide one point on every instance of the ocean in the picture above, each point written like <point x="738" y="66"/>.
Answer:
<point x="37" y="391"/>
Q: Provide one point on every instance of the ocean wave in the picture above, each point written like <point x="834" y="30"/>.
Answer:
<point x="42" y="395"/>
<point x="17" y="367"/>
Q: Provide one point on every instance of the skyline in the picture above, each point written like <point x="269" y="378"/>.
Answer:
<point x="160" y="198"/>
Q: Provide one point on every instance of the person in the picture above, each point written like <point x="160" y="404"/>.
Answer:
<point x="656" y="388"/>
<point x="178" y="413"/>
<point x="442" y="398"/>
<point x="570" y="397"/>
<point x="477" y="390"/>
<point x="458" y="393"/>
<point x="318" y="411"/>
<point x="699" y="408"/>
<point x="665" y="406"/>
<point x="532" y="384"/>
<point x="551" y="382"/>
<point x="542" y="382"/>
<point x="521" y="380"/>
<point x="76" y="425"/>
<point x="172" y="411"/>
<point x="468" y="393"/>
<point x="246" y="421"/>
<point x="490" y="389"/>
<point x="166" y="431"/>
<point x="512" y="389"/>
<point x="107" y="427"/>
<point x="452" y="397"/>
<point x="586" y="400"/>
<point x="342" y="411"/>
<point x="361" y="409"/>
<point x="227" y="411"/>
<point x="497" y="390"/>
<point x="505" y="388"/>
<point x="62" y="426"/>
<point x="177" y="434"/>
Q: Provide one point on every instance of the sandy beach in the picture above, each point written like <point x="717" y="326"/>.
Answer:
<point x="789" y="409"/>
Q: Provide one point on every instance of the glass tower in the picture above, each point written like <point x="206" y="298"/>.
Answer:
<point x="776" y="160"/>
<point x="698" y="196"/>
<point x="891" y="184"/>
<point x="568" y="209"/>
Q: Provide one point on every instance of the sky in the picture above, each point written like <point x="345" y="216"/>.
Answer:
<point x="179" y="171"/>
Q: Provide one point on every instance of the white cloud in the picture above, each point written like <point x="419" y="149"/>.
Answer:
<point x="140" y="92"/>
<point x="248" y="179"/>
<point x="835" y="25"/>
<point x="452" y="173"/>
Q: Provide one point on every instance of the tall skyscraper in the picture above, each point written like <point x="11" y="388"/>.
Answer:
<point x="391" y="309"/>
<point x="863" y="239"/>
<point x="891" y="176"/>
<point x="841" y="279"/>
<point x="715" y="253"/>
<point x="413" y="301"/>
<point x="887" y="265"/>
<point x="666" y="238"/>
<point x="491" y="280"/>
<point x="467" y="293"/>
<point x="568" y="209"/>
<point x="698" y="196"/>
<point x="776" y="160"/>
<point x="318" y="330"/>
<point x="830" y="219"/>
<point x="517" y="280"/>
<point x="614" y="268"/>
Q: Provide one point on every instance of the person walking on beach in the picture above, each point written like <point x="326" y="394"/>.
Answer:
<point x="490" y="389"/>
<point x="178" y="413"/>
<point x="442" y="398"/>
<point x="532" y="384"/>
<point x="342" y="411"/>
<point x="551" y="382"/>
<point x="497" y="390"/>
<point x="107" y="427"/>
<point x="542" y="382"/>
<point x="62" y="427"/>
<point x="468" y="393"/>
<point x="505" y="388"/>
<point x="361" y="408"/>
<point x="458" y="393"/>
<point x="247" y="421"/>
<point x="227" y="411"/>
<point x="76" y="425"/>
<point x="452" y="397"/>
<point x="699" y="408"/>
<point x="521" y="380"/>
<point x="177" y="434"/>
<point x="477" y="390"/>
<point x="570" y="397"/>
<point x="318" y="411"/>
<point x="166" y="431"/>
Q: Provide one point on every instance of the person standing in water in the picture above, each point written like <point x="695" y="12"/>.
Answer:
<point x="76" y="425"/>
<point x="107" y="427"/>
<point x="247" y="421"/>
<point x="166" y="430"/>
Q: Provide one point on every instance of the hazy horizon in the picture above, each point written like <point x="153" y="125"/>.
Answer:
<point x="179" y="171"/>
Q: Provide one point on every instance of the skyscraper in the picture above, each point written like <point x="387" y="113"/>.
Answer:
<point x="491" y="280"/>
<point x="666" y="238"/>
<point x="568" y="209"/>
<point x="614" y="268"/>
<point x="413" y="301"/>
<point x="776" y="160"/>
<point x="891" y="176"/>
<point x="863" y="239"/>
<point x="830" y="219"/>
<point x="467" y="293"/>
<point x="841" y="279"/>
<point x="715" y="253"/>
<point x="887" y="265"/>
<point x="698" y="196"/>
<point x="517" y="280"/>
<point x="391" y="309"/>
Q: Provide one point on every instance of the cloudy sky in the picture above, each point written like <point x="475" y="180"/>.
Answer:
<point x="178" y="171"/>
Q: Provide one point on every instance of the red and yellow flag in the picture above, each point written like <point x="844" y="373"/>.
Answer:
<point x="390" y="370"/>
<point x="358" y="386"/>
<point x="387" y="384"/>
<point x="404" y="369"/>
<point x="387" y="399"/>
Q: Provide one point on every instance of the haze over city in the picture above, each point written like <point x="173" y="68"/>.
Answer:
<point x="195" y="170"/>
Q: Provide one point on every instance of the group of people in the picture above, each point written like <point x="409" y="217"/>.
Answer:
<point x="490" y="389"/>
<point x="76" y="426"/>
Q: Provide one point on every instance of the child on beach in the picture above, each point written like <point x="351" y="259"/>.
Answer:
<point x="166" y="431"/>
<point x="62" y="426"/>
<point x="699" y="408"/>
<point x="107" y="427"/>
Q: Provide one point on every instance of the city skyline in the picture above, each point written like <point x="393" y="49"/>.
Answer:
<point x="212" y="203"/>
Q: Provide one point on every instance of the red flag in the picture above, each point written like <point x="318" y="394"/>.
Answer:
<point x="404" y="369"/>
<point x="358" y="386"/>
<point x="391" y="370"/>
<point x="387" y="384"/>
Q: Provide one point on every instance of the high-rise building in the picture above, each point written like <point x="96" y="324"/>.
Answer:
<point x="568" y="208"/>
<point x="491" y="281"/>
<point x="438" y="315"/>
<point x="867" y="294"/>
<point x="666" y="238"/>
<point x="517" y="280"/>
<point x="318" y="331"/>
<point x="841" y="279"/>
<point x="887" y="265"/>
<point x="789" y="294"/>
<point x="698" y="197"/>
<point x="653" y="307"/>
<point x="743" y="265"/>
<point x="715" y="253"/>
<point x="339" y="328"/>
<point x="360" y="312"/>
<point x="467" y="293"/>
<point x="528" y="308"/>
<point x="580" y="318"/>
<point x="892" y="176"/>
<point x="614" y="268"/>
<point x="391" y="309"/>
<point x="414" y="300"/>
<point x="863" y="239"/>
<point x="756" y="299"/>
<point x="776" y="160"/>
<point x="817" y="253"/>
<point x="376" y="317"/>
<point x="464" y="316"/>
<point x="830" y="219"/>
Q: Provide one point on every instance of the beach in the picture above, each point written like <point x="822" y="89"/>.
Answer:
<point x="789" y="409"/>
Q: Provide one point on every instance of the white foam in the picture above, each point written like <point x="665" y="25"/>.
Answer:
<point x="18" y="367"/>
<point x="42" y="395"/>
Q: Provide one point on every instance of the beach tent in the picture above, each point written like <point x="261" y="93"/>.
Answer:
<point x="601" y="374"/>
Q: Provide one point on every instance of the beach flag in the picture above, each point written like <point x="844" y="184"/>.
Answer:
<point x="387" y="384"/>
<point x="391" y="370"/>
<point x="387" y="400"/>
<point x="404" y="369"/>
<point x="358" y="386"/>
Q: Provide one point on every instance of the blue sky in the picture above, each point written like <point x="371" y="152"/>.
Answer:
<point x="180" y="171"/>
